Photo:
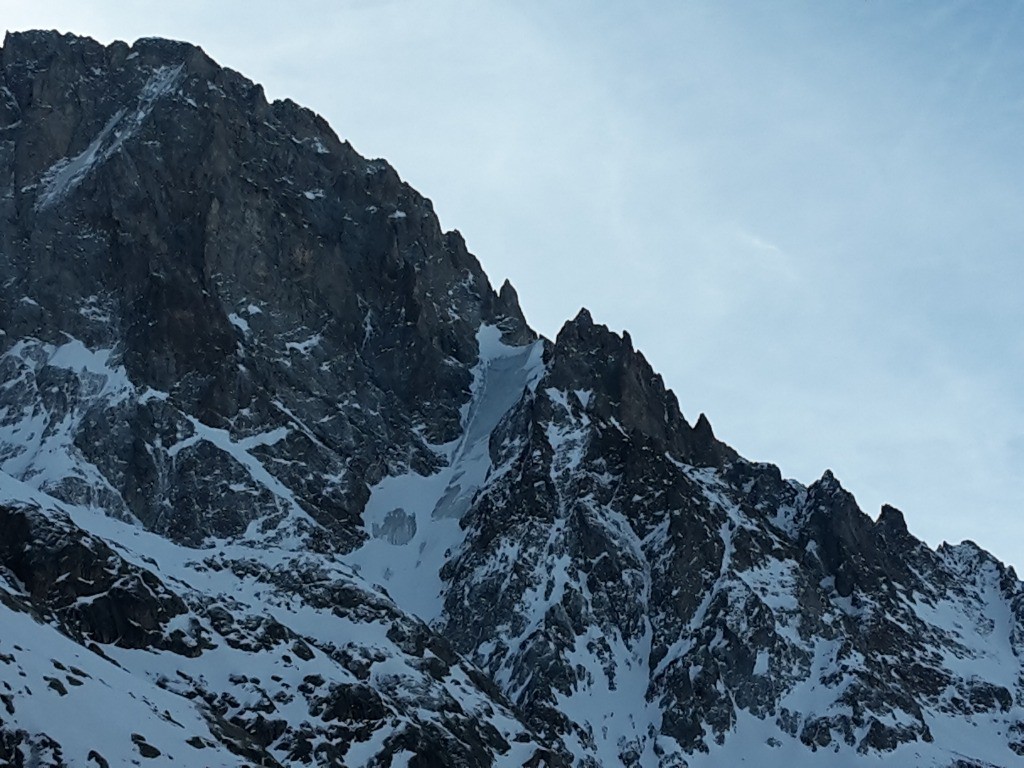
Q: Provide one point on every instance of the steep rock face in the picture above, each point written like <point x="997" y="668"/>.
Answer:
<point x="285" y="480"/>
<point x="253" y="272"/>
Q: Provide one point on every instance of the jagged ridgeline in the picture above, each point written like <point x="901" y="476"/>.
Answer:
<point x="284" y="481"/>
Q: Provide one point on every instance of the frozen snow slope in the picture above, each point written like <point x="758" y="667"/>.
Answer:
<point x="284" y="481"/>
<point x="413" y="520"/>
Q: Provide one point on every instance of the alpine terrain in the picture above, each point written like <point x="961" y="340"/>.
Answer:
<point x="284" y="481"/>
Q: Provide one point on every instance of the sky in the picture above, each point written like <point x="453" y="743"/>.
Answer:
<point x="809" y="216"/>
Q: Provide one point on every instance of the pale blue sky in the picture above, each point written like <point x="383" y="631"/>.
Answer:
<point x="809" y="216"/>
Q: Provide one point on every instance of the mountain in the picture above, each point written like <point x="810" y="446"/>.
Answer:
<point x="285" y="481"/>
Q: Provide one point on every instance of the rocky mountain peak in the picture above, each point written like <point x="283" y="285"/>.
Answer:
<point x="285" y="481"/>
<point x="892" y="521"/>
<point x="588" y="356"/>
<point x="239" y="259"/>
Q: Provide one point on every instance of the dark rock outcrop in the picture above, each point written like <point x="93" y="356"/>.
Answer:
<point x="92" y="592"/>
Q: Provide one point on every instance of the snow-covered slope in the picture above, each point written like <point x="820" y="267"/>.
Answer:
<point x="414" y="520"/>
<point x="229" y="655"/>
<point x="284" y="481"/>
